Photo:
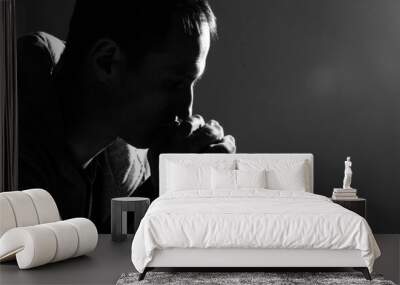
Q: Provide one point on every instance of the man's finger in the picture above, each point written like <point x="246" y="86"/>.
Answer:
<point x="202" y="138"/>
<point x="220" y="130"/>
<point x="227" y="145"/>
<point x="211" y="129"/>
<point x="190" y="125"/>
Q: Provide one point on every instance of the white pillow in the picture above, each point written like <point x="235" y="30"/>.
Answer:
<point x="288" y="179"/>
<point x="251" y="178"/>
<point x="223" y="179"/>
<point x="282" y="174"/>
<point x="188" y="177"/>
<point x="236" y="179"/>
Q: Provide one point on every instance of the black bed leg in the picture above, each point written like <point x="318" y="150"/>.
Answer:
<point x="142" y="275"/>
<point x="365" y="272"/>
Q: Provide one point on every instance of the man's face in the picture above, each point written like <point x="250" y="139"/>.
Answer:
<point x="162" y="88"/>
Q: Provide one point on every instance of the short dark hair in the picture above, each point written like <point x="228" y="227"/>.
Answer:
<point x="137" y="26"/>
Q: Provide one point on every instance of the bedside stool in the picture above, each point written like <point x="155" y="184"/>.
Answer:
<point x="119" y="208"/>
<point x="358" y="205"/>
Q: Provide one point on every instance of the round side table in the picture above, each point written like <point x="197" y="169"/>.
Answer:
<point x="119" y="208"/>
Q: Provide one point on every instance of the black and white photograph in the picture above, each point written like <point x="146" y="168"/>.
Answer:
<point x="199" y="142"/>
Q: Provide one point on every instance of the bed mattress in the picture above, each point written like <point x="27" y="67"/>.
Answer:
<point x="250" y="218"/>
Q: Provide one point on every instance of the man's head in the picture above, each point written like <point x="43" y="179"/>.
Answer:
<point x="141" y="59"/>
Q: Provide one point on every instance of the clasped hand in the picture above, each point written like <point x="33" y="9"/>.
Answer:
<point x="192" y="135"/>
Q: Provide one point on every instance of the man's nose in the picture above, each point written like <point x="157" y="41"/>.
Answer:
<point x="185" y="104"/>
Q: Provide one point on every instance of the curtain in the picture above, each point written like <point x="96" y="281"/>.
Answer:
<point x="8" y="97"/>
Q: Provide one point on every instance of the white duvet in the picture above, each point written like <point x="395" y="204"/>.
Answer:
<point x="250" y="218"/>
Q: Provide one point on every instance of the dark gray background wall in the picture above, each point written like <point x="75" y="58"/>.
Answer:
<point x="300" y="76"/>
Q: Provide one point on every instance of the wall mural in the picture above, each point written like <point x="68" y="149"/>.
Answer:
<point x="100" y="99"/>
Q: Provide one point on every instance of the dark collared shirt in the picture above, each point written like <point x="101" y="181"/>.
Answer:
<point x="45" y="161"/>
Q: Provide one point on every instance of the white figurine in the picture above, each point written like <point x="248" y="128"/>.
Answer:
<point x="348" y="173"/>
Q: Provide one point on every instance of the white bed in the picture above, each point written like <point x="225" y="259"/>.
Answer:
<point x="248" y="227"/>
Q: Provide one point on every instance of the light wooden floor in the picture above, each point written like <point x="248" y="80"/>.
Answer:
<point x="389" y="262"/>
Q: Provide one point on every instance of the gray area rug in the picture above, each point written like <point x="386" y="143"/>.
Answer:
<point x="231" y="278"/>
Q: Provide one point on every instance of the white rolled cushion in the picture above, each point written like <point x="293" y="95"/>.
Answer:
<point x="188" y="177"/>
<point x="282" y="174"/>
<point x="251" y="178"/>
<point x="87" y="235"/>
<point x="23" y="208"/>
<point x="33" y="246"/>
<point x="67" y="239"/>
<point x="223" y="179"/>
<point x="7" y="218"/>
<point x="40" y="244"/>
<point x="26" y="208"/>
<point x="45" y="205"/>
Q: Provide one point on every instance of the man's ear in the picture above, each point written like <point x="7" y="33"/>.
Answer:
<point x="105" y="58"/>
